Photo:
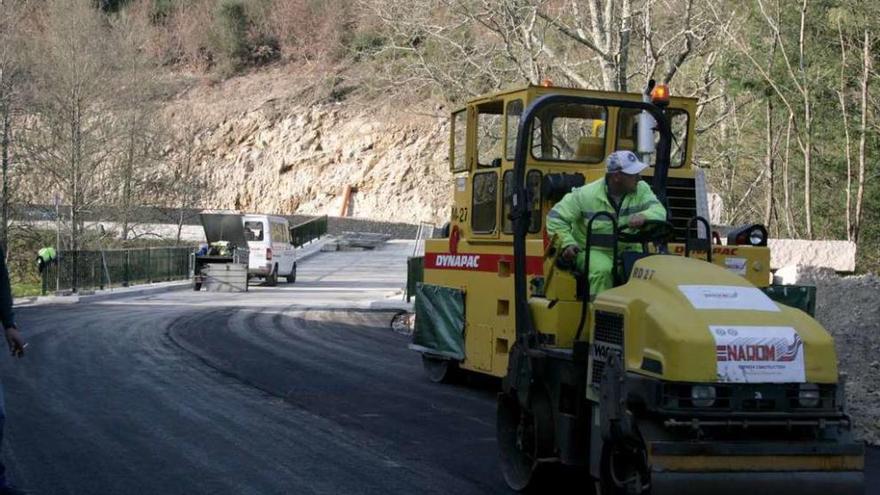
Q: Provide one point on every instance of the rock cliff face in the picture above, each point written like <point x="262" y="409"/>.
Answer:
<point x="266" y="150"/>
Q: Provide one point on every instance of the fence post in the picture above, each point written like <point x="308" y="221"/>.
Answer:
<point x="126" y="269"/>
<point x="149" y="265"/>
<point x="75" y="282"/>
<point x="101" y="271"/>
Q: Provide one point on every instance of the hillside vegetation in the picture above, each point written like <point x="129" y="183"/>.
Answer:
<point x="279" y="105"/>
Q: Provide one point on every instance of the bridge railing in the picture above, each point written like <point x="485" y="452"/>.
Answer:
<point x="308" y="231"/>
<point x="89" y="270"/>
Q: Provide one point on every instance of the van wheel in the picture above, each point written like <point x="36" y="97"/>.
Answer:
<point x="272" y="278"/>
<point x="292" y="277"/>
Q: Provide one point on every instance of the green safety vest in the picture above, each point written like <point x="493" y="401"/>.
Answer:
<point x="47" y="254"/>
<point x="568" y="218"/>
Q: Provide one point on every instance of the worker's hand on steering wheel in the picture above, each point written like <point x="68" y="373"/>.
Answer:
<point x="570" y="253"/>
<point x="636" y="220"/>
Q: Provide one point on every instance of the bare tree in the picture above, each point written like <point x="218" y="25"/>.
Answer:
<point x="11" y="74"/>
<point x="464" y="47"/>
<point x="867" y="58"/>
<point x="183" y="184"/>
<point x="799" y="77"/>
<point x="69" y="137"/>
<point x="135" y="115"/>
<point x="841" y="95"/>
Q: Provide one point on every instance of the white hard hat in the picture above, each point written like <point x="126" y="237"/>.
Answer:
<point x="624" y="161"/>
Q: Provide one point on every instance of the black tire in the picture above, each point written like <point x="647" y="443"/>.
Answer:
<point x="197" y="286"/>
<point x="272" y="278"/>
<point x="524" y="437"/>
<point x="292" y="277"/>
<point x="439" y="370"/>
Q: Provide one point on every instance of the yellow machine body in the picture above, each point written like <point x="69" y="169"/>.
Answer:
<point x="484" y="236"/>
<point x="618" y="385"/>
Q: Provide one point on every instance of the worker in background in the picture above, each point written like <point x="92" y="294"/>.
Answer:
<point x="16" y="348"/>
<point x="44" y="257"/>
<point x="622" y="194"/>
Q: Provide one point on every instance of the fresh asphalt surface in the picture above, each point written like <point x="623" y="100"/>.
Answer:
<point x="294" y="389"/>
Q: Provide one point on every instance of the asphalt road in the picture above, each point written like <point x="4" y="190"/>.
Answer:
<point x="296" y="389"/>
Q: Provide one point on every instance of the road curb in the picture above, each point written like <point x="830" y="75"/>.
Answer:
<point x="136" y="291"/>
<point x="89" y="296"/>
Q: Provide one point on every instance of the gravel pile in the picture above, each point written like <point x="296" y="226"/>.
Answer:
<point x="849" y="307"/>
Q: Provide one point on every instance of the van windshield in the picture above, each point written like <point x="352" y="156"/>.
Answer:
<point x="253" y="231"/>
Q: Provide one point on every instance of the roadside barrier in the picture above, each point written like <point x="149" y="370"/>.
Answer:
<point x="308" y="231"/>
<point x="89" y="270"/>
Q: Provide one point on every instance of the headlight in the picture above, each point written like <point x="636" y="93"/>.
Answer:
<point x="808" y="395"/>
<point x="757" y="237"/>
<point x="703" y="395"/>
<point x="748" y="235"/>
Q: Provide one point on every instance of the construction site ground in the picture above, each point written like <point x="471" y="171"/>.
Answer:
<point x="301" y="388"/>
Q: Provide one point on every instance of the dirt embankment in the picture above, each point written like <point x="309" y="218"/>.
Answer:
<point x="269" y="145"/>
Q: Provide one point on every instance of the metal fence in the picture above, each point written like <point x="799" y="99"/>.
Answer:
<point x="88" y="270"/>
<point x="308" y="231"/>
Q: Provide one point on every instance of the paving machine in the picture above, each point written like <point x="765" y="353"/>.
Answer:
<point x="686" y="377"/>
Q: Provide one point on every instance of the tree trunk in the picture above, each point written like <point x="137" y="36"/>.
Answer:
<point x="600" y="24"/>
<point x="863" y="129"/>
<point x="847" y="141"/>
<point x="808" y="126"/>
<point x="808" y="164"/>
<point x="76" y="155"/>
<point x="127" y="186"/>
<point x="4" y="151"/>
<point x="623" y="49"/>
<point x="769" y="163"/>
<point x="786" y="177"/>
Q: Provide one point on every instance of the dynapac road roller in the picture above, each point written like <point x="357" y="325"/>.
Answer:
<point x="686" y="377"/>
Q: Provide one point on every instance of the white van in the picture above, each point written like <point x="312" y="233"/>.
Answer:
<point x="271" y="253"/>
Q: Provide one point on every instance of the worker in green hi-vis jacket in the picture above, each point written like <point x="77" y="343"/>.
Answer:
<point x="44" y="257"/>
<point x="621" y="193"/>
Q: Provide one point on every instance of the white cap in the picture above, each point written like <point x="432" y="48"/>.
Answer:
<point x="624" y="161"/>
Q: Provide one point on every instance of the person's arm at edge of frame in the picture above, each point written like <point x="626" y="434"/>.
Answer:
<point x="13" y="337"/>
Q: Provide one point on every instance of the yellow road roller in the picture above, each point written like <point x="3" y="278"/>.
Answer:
<point x="686" y="377"/>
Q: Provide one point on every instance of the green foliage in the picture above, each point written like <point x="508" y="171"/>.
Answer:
<point x="230" y="34"/>
<point x="264" y="48"/>
<point x="236" y="40"/>
<point x="110" y="5"/>
<point x="365" y="44"/>
<point x="26" y="289"/>
<point x="160" y="11"/>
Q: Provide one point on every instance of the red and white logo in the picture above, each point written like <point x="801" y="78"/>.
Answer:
<point x="759" y="354"/>
<point x="457" y="261"/>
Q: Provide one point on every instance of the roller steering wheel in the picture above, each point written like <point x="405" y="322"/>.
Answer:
<point x="656" y="231"/>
